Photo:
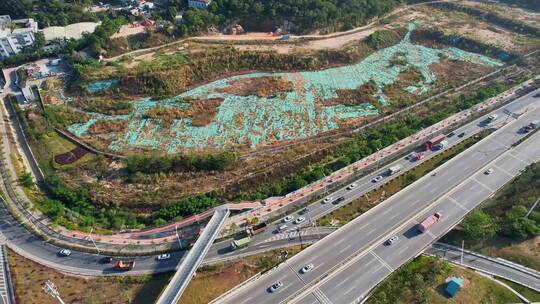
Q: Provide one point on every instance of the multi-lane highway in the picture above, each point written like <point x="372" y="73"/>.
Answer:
<point x="351" y="261"/>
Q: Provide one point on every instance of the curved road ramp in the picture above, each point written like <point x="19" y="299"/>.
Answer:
<point x="189" y="265"/>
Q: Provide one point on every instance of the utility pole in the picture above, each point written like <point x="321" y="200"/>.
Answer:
<point x="532" y="207"/>
<point x="462" y="247"/>
<point x="92" y="239"/>
<point x="50" y="289"/>
<point x="177" y="236"/>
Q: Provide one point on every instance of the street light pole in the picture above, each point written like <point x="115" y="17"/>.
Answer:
<point x="92" y="239"/>
<point x="177" y="236"/>
<point x="50" y="289"/>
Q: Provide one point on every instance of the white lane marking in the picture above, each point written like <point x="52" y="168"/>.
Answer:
<point x="394" y="216"/>
<point x="402" y="250"/>
<point x="499" y="143"/>
<point x="346" y="248"/>
<point x="503" y="170"/>
<point x="517" y="158"/>
<point x="364" y="226"/>
<point x="483" y="185"/>
<point x="382" y="261"/>
<point x="458" y="203"/>
<point x="431" y="234"/>
<point x="371" y="231"/>
<point x="386" y="211"/>
<point x="376" y="270"/>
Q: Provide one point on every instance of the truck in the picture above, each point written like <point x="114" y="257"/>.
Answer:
<point x="394" y="169"/>
<point x="434" y="141"/>
<point x="428" y="222"/>
<point x="241" y="243"/>
<point x="124" y="265"/>
<point x="256" y="229"/>
<point x="443" y="144"/>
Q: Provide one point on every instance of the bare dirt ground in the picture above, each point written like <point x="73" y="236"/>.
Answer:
<point x="517" y="13"/>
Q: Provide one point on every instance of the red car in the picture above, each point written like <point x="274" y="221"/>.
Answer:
<point x="419" y="156"/>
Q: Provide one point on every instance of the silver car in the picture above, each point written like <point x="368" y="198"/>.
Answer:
<point x="307" y="268"/>
<point x="277" y="285"/>
<point x="393" y="240"/>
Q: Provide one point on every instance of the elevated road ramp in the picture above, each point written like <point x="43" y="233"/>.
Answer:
<point x="191" y="262"/>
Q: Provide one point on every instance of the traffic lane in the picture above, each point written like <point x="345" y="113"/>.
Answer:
<point x="344" y="286"/>
<point x="308" y="299"/>
<point x="261" y="292"/>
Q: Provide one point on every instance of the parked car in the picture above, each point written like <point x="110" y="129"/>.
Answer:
<point x="282" y="228"/>
<point x="64" y="252"/>
<point x="488" y="171"/>
<point x="327" y="199"/>
<point x="164" y="256"/>
<point x="461" y="134"/>
<point x="277" y="285"/>
<point x="351" y="186"/>
<point x="338" y="200"/>
<point x="307" y="268"/>
<point x="304" y="211"/>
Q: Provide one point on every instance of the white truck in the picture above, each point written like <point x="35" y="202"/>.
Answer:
<point x="394" y="169"/>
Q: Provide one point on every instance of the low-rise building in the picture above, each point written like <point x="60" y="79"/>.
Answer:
<point x="15" y="35"/>
<point x="201" y="4"/>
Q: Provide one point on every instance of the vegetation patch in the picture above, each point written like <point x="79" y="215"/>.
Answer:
<point x="103" y="105"/>
<point x="260" y="87"/>
<point x="423" y="280"/>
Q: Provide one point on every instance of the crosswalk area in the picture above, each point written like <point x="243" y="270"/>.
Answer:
<point x="291" y="234"/>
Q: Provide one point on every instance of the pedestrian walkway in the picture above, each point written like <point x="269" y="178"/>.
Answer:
<point x="191" y="262"/>
<point x="6" y="291"/>
<point x="293" y="233"/>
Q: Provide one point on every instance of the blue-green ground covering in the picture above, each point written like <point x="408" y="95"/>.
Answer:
<point x="299" y="113"/>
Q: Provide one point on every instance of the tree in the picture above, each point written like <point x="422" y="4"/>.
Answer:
<point x="26" y="180"/>
<point x="478" y="226"/>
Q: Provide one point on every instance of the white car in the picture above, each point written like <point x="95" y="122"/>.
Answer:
<point x="393" y="239"/>
<point x="488" y="171"/>
<point x="377" y="179"/>
<point x="327" y="199"/>
<point x="277" y="285"/>
<point x="288" y="218"/>
<point x="299" y="220"/>
<point x="282" y="228"/>
<point x="351" y="186"/>
<point x="64" y="252"/>
<point x="164" y="256"/>
<point x="307" y="268"/>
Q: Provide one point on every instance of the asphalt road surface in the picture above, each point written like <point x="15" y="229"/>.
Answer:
<point x="32" y="247"/>
<point x="492" y="266"/>
<point x="354" y="259"/>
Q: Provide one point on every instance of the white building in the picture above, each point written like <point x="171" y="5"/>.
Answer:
<point x="201" y="4"/>
<point x="14" y="43"/>
<point x="15" y="35"/>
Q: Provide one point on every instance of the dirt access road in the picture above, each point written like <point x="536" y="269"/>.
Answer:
<point x="334" y="40"/>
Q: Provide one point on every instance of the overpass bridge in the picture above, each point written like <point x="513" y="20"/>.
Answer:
<point x="172" y="293"/>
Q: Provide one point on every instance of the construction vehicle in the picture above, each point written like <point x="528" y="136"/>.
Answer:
<point x="241" y="243"/>
<point x="434" y="141"/>
<point x="124" y="265"/>
<point x="256" y="229"/>
<point x="428" y="222"/>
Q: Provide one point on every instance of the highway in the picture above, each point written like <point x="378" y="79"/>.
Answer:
<point x="492" y="266"/>
<point x="352" y="260"/>
<point x="32" y="247"/>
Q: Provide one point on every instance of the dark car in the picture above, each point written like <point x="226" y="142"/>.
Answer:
<point x="537" y="95"/>
<point x="105" y="260"/>
<point x="338" y="200"/>
<point x="451" y="134"/>
<point x="304" y="211"/>
<point x="461" y="134"/>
